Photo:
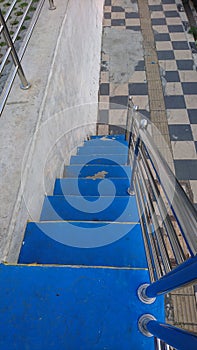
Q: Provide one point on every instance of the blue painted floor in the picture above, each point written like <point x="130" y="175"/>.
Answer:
<point x="58" y="308"/>
<point x="88" y="260"/>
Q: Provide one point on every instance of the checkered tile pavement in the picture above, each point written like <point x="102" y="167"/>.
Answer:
<point x="113" y="96"/>
<point x="175" y="50"/>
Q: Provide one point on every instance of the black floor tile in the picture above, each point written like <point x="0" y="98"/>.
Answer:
<point x="138" y="89"/>
<point x="189" y="88"/>
<point x="103" y="116"/>
<point x="166" y="2"/>
<point x="155" y="7"/>
<point x="175" y="28"/>
<point x="165" y="55"/>
<point x="180" y="132"/>
<point x="104" y="89"/>
<point x="162" y="36"/>
<point x="180" y="45"/>
<point x="118" y="22"/>
<point x="135" y="28"/>
<point x="175" y="102"/>
<point x="172" y="76"/>
<point x="158" y="21"/>
<point x="186" y="169"/>
<point x="107" y="2"/>
<point x="117" y="9"/>
<point x="192" y="113"/>
<point x="118" y="102"/>
<point x="132" y="15"/>
<point x="185" y="64"/>
<point x="171" y="13"/>
<point x="107" y="15"/>
<point x="140" y="66"/>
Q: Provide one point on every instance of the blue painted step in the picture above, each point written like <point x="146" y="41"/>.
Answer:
<point x="78" y="208"/>
<point x="91" y="170"/>
<point x="102" y="150"/>
<point x="88" y="187"/>
<point x="50" y="308"/>
<point x="105" y="143"/>
<point x="82" y="243"/>
<point x="120" y="137"/>
<point x="110" y="159"/>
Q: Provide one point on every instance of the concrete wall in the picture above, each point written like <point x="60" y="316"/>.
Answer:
<point x="40" y="128"/>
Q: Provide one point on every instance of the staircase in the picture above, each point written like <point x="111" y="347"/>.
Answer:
<point x="75" y="283"/>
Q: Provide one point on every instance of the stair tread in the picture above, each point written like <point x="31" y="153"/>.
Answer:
<point x="83" y="243"/>
<point x="105" y="171"/>
<point x="89" y="187"/>
<point x="111" y="159"/>
<point x="52" y="304"/>
<point x="108" y="208"/>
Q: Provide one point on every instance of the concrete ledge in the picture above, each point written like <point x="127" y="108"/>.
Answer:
<point x="40" y="128"/>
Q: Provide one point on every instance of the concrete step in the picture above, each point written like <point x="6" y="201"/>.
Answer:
<point x="102" y="150"/>
<point x="83" y="243"/>
<point x="109" y="159"/>
<point x="77" y="208"/>
<point x="91" y="187"/>
<point x="97" y="171"/>
<point x="50" y="308"/>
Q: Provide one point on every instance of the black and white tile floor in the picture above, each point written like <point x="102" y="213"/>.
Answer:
<point x="175" y="50"/>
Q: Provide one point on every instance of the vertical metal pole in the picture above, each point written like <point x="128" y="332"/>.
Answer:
<point x="24" y="83"/>
<point x="143" y="125"/>
<point x="51" y="5"/>
<point x="176" y="337"/>
<point x="128" y="122"/>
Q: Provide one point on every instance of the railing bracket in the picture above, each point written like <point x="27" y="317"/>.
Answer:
<point x="141" y="292"/>
<point x="131" y="192"/>
<point x="25" y="87"/>
<point x="142" y="322"/>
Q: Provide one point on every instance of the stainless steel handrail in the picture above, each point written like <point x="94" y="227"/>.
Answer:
<point x="168" y="221"/>
<point x="146" y="160"/>
<point x="17" y="57"/>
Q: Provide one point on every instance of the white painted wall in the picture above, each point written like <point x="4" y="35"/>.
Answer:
<point x="41" y="127"/>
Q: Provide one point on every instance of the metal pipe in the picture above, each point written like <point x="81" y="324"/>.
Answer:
<point x="175" y="279"/>
<point x="7" y="15"/>
<point x="51" y="5"/>
<point x="128" y="129"/>
<point x="175" y="244"/>
<point x="146" y="245"/>
<point x="176" y="337"/>
<point x="154" y="251"/>
<point x="143" y="125"/>
<point x="181" y="206"/>
<point x="24" y="83"/>
<point x="163" y="251"/>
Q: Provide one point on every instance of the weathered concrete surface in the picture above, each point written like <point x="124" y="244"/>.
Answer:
<point x="125" y="50"/>
<point x="41" y="127"/>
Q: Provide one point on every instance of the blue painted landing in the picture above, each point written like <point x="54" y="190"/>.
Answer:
<point x="58" y="308"/>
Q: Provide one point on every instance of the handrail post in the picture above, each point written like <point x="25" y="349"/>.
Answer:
<point x="176" y="337"/>
<point x="51" y="5"/>
<point x="174" y="279"/>
<point x="128" y="128"/>
<point x="143" y="125"/>
<point x="24" y="83"/>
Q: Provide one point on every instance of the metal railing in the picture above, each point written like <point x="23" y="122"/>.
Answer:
<point x="10" y="41"/>
<point x="169" y="226"/>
